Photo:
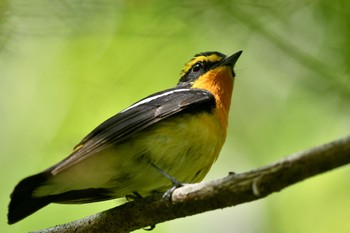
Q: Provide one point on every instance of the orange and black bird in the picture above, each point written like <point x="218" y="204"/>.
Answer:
<point x="167" y="138"/>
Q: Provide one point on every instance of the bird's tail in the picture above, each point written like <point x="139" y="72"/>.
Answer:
<point x="22" y="202"/>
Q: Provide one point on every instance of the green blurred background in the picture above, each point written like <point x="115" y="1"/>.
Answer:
<point x="65" y="66"/>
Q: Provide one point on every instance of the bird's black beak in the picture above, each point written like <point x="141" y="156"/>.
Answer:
<point x="231" y="60"/>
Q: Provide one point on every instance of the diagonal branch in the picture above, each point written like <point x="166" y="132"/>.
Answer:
<point x="228" y="191"/>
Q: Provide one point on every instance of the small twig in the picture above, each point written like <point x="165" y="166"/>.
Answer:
<point x="228" y="191"/>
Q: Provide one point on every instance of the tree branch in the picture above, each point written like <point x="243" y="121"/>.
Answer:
<point x="228" y="191"/>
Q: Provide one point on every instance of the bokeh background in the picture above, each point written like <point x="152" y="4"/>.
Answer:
<point x="65" y="66"/>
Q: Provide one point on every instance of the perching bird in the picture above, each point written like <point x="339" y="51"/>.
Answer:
<point x="169" y="137"/>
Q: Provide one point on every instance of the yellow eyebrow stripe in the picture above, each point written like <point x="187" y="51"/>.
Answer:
<point x="201" y="58"/>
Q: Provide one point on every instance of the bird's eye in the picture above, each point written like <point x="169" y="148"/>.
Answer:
<point x="197" y="67"/>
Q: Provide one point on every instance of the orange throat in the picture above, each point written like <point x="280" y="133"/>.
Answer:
<point x="220" y="83"/>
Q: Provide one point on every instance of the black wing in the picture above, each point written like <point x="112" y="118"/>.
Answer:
<point x="138" y="116"/>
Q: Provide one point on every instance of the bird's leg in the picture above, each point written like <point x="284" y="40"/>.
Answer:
<point x="176" y="184"/>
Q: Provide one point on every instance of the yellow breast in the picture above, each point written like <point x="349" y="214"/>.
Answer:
<point x="184" y="146"/>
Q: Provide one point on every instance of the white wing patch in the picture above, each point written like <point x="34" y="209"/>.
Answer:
<point x="155" y="97"/>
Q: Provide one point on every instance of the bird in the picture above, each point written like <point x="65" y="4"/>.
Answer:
<point x="157" y="144"/>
